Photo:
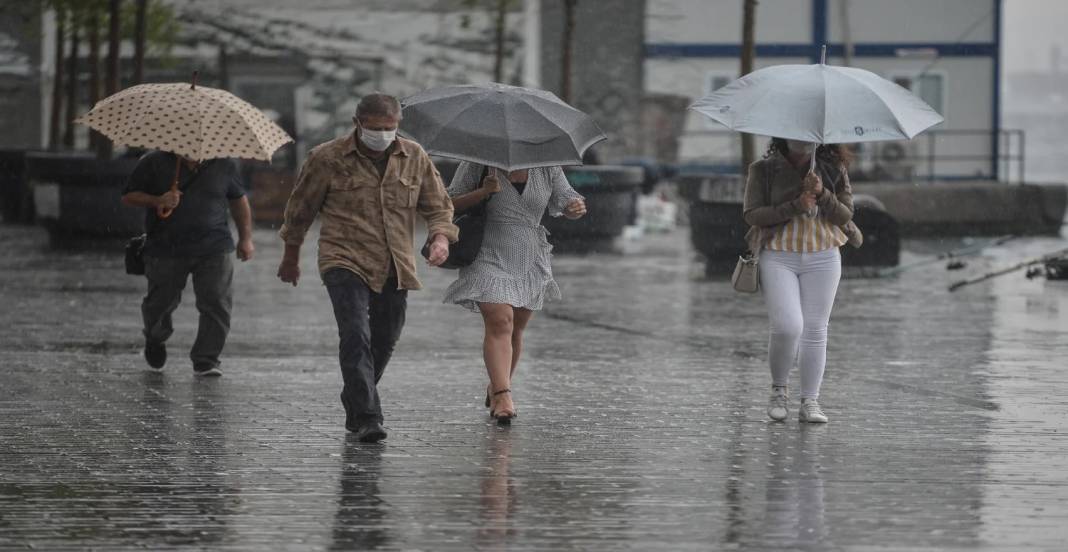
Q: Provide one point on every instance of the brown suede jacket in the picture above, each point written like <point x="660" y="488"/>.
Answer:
<point x="771" y="199"/>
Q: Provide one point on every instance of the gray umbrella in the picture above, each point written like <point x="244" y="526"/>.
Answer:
<point x="502" y="126"/>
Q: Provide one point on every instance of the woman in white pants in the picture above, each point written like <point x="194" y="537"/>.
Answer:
<point x="799" y="218"/>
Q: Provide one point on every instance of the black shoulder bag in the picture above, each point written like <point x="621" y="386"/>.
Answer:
<point x="472" y="225"/>
<point x="135" y="260"/>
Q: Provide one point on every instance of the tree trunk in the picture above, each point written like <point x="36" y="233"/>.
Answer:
<point x="94" y="71"/>
<point x="748" y="53"/>
<point x="72" y="85"/>
<point x="111" y="83"/>
<point x="847" y="33"/>
<point x="139" y="42"/>
<point x="498" y="61"/>
<point x="224" y="67"/>
<point x="565" y="52"/>
<point x="57" y="82"/>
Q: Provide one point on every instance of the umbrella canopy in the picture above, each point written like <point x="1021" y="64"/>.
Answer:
<point x="193" y="121"/>
<point x="819" y="103"/>
<point x="502" y="126"/>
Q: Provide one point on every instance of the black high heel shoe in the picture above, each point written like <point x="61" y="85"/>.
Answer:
<point x="503" y="417"/>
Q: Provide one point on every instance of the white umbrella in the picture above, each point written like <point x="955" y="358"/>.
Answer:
<point x="819" y="103"/>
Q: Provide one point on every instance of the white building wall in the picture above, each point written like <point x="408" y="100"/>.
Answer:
<point x="720" y="21"/>
<point x="967" y="96"/>
<point x="912" y="20"/>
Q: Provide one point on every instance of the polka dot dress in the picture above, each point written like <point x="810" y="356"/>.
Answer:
<point x="197" y="122"/>
<point x="513" y="266"/>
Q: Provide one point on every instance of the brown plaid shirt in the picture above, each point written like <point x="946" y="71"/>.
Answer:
<point x="368" y="221"/>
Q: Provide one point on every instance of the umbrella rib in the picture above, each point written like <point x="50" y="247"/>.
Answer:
<point x="879" y="97"/>
<point x="601" y="136"/>
<point x="442" y="127"/>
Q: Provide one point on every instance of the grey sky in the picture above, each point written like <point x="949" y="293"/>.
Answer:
<point x="1031" y="28"/>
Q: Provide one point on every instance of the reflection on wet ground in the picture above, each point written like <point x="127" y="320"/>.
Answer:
<point x="641" y="425"/>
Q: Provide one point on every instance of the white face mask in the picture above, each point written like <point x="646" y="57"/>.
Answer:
<point x="377" y="140"/>
<point x="798" y="146"/>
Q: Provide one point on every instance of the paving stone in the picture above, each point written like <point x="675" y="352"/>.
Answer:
<point x="641" y="425"/>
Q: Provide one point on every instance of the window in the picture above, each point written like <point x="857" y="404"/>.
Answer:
<point x="716" y="81"/>
<point x="930" y="87"/>
<point x="713" y="82"/>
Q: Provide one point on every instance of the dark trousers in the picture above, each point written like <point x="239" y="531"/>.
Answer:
<point x="213" y="277"/>
<point x="368" y="325"/>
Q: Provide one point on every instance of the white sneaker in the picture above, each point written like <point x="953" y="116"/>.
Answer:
<point x="777" y="404"/>
<point x="811" y="412"/>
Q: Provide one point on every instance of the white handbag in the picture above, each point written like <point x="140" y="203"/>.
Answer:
<point x="746" y="277"/>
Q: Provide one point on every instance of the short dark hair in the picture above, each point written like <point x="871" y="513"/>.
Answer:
<point x="378" y="105"/>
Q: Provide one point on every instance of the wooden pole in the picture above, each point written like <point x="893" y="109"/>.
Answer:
<point x="57" y="81"/>
<point x="94" y="71"/>
<point x="748" y="54"/>
<point x="72" y="85"/>
<point x="499" y="27"/>
<point x="847" y="33"/>
<point x="111" y="85"/>
<point x="566" y="51"/>
<point x="139" y="41"/>
<point x="111" y="82"/>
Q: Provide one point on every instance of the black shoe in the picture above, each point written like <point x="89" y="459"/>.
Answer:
<point x="207" y="371"/>
<point x="370" y="432"/>
<point x="156" y="355"/>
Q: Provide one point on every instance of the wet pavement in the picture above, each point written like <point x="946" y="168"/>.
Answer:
<point x="641" y="423"/>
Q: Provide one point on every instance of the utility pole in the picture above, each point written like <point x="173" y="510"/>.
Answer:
<point x="111" y="82"/>
<point x="72" y="82"/>
<point x="565" y="61"/>
<point x="139" y="41"/>
<point x="57" y="80"/>
<point x="94" y="71"/>
<point x="847" y="33"/>
<point x="499" y="27"/>
<point x="748" y="53"/>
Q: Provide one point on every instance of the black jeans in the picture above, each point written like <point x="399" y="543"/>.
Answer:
<point x="213" y="277"/>
<point x="368" y="325"/>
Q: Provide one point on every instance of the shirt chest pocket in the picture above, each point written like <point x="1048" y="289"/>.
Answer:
<point x="405" y="192"/>
<point x="354" y="195"/>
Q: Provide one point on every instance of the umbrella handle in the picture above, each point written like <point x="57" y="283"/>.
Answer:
<point x="165" y="212"/>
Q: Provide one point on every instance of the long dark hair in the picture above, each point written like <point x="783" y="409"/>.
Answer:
<point x="836" y="155"/>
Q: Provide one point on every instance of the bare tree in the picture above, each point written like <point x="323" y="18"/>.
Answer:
<point x="139" y="41"/>
<point x="72" y="81"/>
<point x="93" y="24"/>
<point x="847" y="33"/>
<point x="111" y="84"/>
<point x="499" y="29"/>
<point x="499" y="16"/>
<point x="748" y="53"/>
<point x="566" y="51"/>
<point x="57" y="79"/>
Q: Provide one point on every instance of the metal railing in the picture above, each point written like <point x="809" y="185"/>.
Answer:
<point x="941" y="154"/>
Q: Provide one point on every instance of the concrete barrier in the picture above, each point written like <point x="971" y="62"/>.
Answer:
<point x="611" y="193"/>
<point x="718" y="230"/>
<point x="971" y="208"/>
<point x="77" y="198"/>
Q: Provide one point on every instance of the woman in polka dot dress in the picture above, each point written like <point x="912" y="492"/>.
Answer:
<point x="511" y="277"/>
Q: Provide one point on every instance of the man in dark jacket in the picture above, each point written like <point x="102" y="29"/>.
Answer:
<point x="193" y="239"/>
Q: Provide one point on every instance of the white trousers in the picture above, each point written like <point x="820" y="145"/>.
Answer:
<point x="799" y="290"/>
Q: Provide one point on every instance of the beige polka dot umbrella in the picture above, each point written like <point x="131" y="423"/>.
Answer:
<point x="195" y="122"/>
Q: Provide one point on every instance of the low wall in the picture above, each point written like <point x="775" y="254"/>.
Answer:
<point x="971" y="208"/>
